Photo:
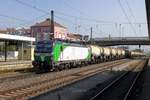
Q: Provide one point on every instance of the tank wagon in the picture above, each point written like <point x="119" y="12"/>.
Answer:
<point x="97" y="53"/>
<point x="114" y="53"/>
<point x="57" y="55"/>
<point x="137" y="54"/>
<point x="107" y="53"/>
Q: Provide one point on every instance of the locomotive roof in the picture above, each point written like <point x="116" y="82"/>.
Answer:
<point x="63" y="41"/>
<point x="71" y="42"/>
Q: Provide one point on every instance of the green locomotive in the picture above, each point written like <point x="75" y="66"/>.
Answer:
<point x="57" y="55"/>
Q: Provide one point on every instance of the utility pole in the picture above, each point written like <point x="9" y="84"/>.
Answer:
<point x="139" y="46"/>
<point x="147" y="3"/>
<point x="120" y="30"/>
<point x="91" y="35"/>
<point x="139" y="28"/>
<point x="52" y="23"/>
<point x="109" y="36"/>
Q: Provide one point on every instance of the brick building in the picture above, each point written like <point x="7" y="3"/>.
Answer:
<point x="45" y="27"/>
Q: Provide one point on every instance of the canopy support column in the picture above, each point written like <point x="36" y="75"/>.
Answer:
<point x="5" y="50"/>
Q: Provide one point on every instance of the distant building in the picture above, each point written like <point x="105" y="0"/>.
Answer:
<point x="8" y="31"/>
<point x="2" y="31"/>
<point x="24" y="31"/>
<point x="60" y="31"/>
<point x="74" y="37"/>
<point x="42" y="31"/>
<point x="77" y="37"/>
<point x="123" y="47"/>
<point x="85" y="38"/>
<point x="13" y="31"/>
<point x="138" y="50"/>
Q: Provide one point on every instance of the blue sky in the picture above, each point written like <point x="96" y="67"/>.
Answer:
<point x="80" y="13"/>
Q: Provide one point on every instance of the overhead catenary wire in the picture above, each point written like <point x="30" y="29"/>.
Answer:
<point x="66" y="20"/>
<point x="31" y="6"/>
<point x="87" y="19"/>
<point x="20" y="20"/>
<point x="95" y="20"/>
<point x="73" y="8"/>
<point x="132" y="14"/>
<point x="68" y="15"/>
<point x="13" y="18"/>
<point x="31" y="21"/>
<point x="24" y="22"/>
<point x="84" y="18"/>
<point x="73" y="23"/>
<point x="44" y="11"/>
<point x="125" y="14"/>
<point x="100" y="21"/>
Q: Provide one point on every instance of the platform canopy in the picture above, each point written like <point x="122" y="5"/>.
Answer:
<point x="16" y="38"/>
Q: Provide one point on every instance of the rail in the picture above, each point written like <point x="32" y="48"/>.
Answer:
<point x="43" y="85"/>
<point x="119" y="89"/>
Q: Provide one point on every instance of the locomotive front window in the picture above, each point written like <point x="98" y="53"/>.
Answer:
<point x="44" y="47"/>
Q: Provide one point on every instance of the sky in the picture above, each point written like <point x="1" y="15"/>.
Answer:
<point x="124" y="18"/>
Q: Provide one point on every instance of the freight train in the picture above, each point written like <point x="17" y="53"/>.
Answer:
<point x="57" y="55"/>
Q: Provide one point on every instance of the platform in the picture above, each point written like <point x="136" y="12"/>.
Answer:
<point x="15" y="65"/>
<point x="146" y="86"/>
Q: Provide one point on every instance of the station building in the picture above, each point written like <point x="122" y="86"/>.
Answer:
<point x="16" y="47"/>
<point x="45" y="27"/>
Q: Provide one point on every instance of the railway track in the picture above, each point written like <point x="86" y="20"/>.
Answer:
<point x="18" y="76"/>
<point x="15" y="66"/>
<point x="120" y="88"/>
<point x="46" y="84"/>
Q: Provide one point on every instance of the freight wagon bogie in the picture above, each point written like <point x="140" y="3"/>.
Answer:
<point x="69" y="64"/>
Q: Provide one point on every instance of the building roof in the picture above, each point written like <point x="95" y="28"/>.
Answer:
<point x="74" y="36"/>
<point x="26" y="30"/>
<point x="47" y="22"/>
<point x="12" y="30"/>
<point x="21" y="31"/>
<point x="8" y="30"/>
<point x="16" y="38"/>
<point x="3" y="31"/>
